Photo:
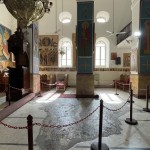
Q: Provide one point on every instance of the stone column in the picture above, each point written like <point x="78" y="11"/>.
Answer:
<point x="140" y="53"/>
<point x="32" y="37"/>
<point x="85" y="47"/>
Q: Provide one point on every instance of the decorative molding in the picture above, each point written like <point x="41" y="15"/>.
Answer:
<point x="74" y="69"/>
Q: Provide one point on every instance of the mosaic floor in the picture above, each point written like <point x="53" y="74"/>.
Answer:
<point x="80" y="118"/>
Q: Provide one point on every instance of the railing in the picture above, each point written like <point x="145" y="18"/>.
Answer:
<point x="128" y="31"/>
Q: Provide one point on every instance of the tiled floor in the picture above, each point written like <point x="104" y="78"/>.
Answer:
<point x="50" y="109"/>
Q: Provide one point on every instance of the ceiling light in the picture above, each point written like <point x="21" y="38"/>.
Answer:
<point x="137" y="33"/>
<point x="65" y="17"/>
<point x="66" y="20"/>
<point x="102" y="17"/>
<point x="101" y="20"/>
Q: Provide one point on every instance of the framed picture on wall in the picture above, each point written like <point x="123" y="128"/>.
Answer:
<point x="126" y="59"/>
<point x="113" y="56"/>
<point x="48" y="49"/>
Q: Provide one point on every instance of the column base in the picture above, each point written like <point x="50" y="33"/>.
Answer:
<point x="94" y="146"/>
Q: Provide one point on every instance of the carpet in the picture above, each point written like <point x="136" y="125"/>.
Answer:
<point x="67" y="96"/>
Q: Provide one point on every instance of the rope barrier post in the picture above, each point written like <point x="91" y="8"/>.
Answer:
<point x="30" y="132"/>
<point x="99" y="145"/>
<point x="9" y="95"/>
<point x="116" y="88"/>
<point x="130" y="120"/>
<point x="147" y="99"/>
<point x="131" y="95"/>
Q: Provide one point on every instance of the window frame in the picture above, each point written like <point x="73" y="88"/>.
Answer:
<point x="107" y="49"/>
<point x="100" y="44"/>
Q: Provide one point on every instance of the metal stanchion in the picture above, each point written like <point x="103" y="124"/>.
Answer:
<point x="116" y="88"/>
<point x="130" y="120"/>
<point x="130" y="87"/>
<point x="147" y="99"/>
<point x="30" y="132"/>
<point x="99" y="145"/>
<point x="39" y="94"/>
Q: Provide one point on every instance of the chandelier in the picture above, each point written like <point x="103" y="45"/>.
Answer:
<point x="61" y="51"/>
<point x="27" y="11"/>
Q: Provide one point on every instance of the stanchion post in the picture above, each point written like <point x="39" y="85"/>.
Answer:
<point x="131" y="94"/>
<point x="130" y="120"/>
<point x="30" y="132"/>
<point x="100" y="125"/>
<point x="147" y="99"/>
<point x="116" y="88"/>
<point x="99" y="145"/>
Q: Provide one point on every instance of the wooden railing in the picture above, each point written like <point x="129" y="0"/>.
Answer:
<point x="128" y="31"/>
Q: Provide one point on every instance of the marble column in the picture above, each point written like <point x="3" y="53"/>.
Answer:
<point x="32" y="37"/>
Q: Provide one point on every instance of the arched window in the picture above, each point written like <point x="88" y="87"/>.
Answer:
<point x="65" y="52"/>
<point x="102" y="53"/>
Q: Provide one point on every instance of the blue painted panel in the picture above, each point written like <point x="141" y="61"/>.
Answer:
<point x="145" y="9"/>
<point x="85" y="65"/>
<point x="144" y="65"/>
<point x="85" y="11"/>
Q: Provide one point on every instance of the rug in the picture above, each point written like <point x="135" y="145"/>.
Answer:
<point x="67" y="96"/>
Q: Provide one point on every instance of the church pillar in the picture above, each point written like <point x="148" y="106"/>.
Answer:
<point x="140" y="53"/>
<point x="32" y="37"/>
<point x="85" y="47"/>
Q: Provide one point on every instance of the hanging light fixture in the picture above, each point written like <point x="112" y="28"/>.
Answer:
<point x="61" y="48"/>
<point x="27" y="11"/>
<point x="61" y="51"/>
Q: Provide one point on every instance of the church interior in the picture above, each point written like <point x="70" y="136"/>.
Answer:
<point x="74" y="74"/>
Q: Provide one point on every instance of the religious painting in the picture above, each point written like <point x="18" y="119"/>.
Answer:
<point x="126" y="59"/>
<point x="134" y="61"/>
<point x="36" y="58"/>
<point x="145" y="37"/>
<point x="113" y="56"/>
<point x="48" y="47"/>
<point x="4" y="36"/>
<point x="85" y="38"/>
<point x="145" y="28"/>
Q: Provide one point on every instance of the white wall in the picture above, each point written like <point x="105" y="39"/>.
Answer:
<point x="7" y="19"/>
<point x="105" y="77"/>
